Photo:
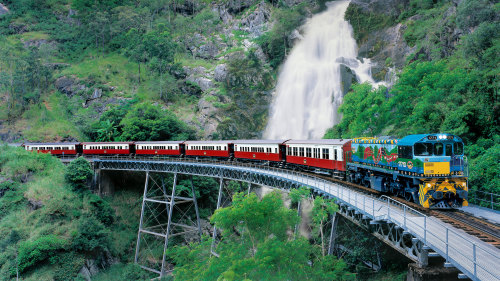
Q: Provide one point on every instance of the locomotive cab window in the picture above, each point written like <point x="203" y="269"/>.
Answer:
<point x="405" y="152"/>
<point x="438" y="149"/>
<point x="423" y="149"/>
<point x="448" y="151"/>
<point x="458" y="148"/>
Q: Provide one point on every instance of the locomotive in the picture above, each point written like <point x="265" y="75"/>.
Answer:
<point x="428" y="169"/>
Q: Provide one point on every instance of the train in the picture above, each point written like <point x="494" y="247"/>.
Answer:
<point x="428" y="169"/>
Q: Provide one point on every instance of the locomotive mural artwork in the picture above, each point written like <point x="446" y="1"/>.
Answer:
<point x="428" y="169"/>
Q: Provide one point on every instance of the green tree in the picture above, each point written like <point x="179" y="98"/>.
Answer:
<point x="78" y="173"/>
<point x="256" y="246"/>
<point x="149" y="122"/>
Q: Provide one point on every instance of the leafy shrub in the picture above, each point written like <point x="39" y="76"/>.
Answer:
<point x="68" y="265"/>
<point x="91" y="234"/>
<point x="101" y="210"/>
<point x="135" y="272"/>
<point x="471" y="13"/>
<point x="79" y="173"/>
<point x="33" y="252"/>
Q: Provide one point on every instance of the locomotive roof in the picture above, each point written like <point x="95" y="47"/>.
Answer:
<point x="320" y="141"/>
<point x="51" y="143"/>
<point x="209" y="142"/>
<point x="412" y="139"/>
<point x="159" y="142"/>
<point x="259" y="141"/>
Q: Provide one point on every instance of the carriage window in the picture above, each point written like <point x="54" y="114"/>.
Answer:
<point x="326" y="153"/>
<point x="308" y="152"/>
<point x="301" y="151"/>
<point x="448" y="151"/>
<point x="438" y="149"/>
<point x="405" y="152"/>
<point x="335" y="156"/>
<point x="275" y="150"/>
<point x="458" y="148"/>
<point x="423" y="149"/>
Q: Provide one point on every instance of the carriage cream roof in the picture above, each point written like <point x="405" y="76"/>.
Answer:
<point x="321" y="141"/>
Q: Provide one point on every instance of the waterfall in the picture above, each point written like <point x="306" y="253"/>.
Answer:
<point x="309" y="89"/>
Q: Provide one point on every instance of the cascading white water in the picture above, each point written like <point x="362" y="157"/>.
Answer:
<point x="309" y="88"/>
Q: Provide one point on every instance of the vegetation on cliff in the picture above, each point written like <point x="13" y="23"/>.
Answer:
<point x="445" y="86"/>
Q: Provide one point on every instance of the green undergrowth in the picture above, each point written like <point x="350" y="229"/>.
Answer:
<point x="48" y="229"/>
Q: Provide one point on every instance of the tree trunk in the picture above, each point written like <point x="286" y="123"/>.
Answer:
<point x="139" y="65"/>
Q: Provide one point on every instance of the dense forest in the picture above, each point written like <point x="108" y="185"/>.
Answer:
<point x="187" y="69"/>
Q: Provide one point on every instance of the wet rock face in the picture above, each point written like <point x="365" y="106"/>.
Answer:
<point x="387" y="43"/>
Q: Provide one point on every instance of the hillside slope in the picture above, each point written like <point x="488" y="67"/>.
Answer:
<point x="71" y="65"/>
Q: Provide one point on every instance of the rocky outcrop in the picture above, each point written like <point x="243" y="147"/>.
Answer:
<point x="255" y="23"/>
<point x="387" y="7"/>
<point x="236" y="6"/>
<point x="384" y="44"/>
<point x="93" y="266"/>
<point x="220" y="72"/>
<point x="3" y="10"/>
<point x="207" y="117"/>
<point x="69" y="86"/>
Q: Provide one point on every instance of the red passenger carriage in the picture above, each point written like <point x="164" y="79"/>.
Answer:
<point x="173" y="148"/>
<point x="61" y="148"/>
<point x="326" y="155"/>
<point x="261" y="150"/>
<point x="107" y="148"/>
<point x="220" y="149"/>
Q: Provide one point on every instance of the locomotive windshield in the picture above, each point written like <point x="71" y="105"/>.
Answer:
<point x="438" y="149"/>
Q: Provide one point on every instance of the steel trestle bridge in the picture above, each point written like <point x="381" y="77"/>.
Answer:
<point x="412" y="233"/>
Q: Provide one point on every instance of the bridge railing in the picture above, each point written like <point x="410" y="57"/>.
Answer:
<point x="452" y="242"/>
<point x="485" y="199"/>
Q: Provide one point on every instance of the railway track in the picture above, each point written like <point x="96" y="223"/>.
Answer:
<point x="485" y="231"/>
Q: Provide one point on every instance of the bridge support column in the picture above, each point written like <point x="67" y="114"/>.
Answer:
<point x="214" y="235"/>
<point x="333" y="234"/>
<point x="157" y="226"/>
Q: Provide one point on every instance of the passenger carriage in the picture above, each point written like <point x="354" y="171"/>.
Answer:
<point x="260" y="150"/>
<point x="326" y="155"/>
<point x="168" y="148"/>
<point x="107" y="148"/>
<point x="60" y="148"/>
<point x="217" y="149"/>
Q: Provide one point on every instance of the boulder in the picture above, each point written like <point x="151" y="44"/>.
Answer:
<point x="34" y="204"/>
<point x="220" y="73"/>
<point x="206" y="51"/>
<point x="69" y="86"/>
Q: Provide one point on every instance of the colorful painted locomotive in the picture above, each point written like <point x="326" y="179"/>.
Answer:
<point x="428" y="169"/>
